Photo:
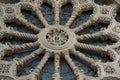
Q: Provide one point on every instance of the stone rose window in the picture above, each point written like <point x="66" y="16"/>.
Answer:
<point x="59" y="40"/>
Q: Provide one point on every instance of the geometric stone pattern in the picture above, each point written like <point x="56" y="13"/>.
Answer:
<point x="60" y="41"/>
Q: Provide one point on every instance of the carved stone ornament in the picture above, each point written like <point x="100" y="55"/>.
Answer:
<point x="59" y="41"/>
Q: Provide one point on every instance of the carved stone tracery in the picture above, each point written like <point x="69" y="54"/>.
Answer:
<point x="57" y="37"/>
<point x="59" y="41"/>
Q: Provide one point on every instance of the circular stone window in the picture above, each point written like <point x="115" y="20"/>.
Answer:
<point x="60" y="40"/>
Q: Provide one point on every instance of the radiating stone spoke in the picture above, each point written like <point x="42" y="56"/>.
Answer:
<point x="88" y="61"/>
<point x="41" y="18"/>
<point x="103" y="51"/>
<point x="57" y="63"/>
<point x="32" y="55"/>
<point x="75" y="13"/>
<point x="90" y="36"/>
<point x="56" y="75"/>
<point x="83" y="26"/>
<point x="90" y="47"/>
<point x="28" y="24"/>
<point x="20" y="35"/>
<point x="57" y="14"/>
<point x="74" y="68"/>
<point x="41" y="64"/>
<point x="72" y="18"/>
<point x="24" y="46"/>
<point x="9" y="49"/>
<point x="57" y="9"/>
<point x="20" y="62"/>
<point x="102" y="34"/>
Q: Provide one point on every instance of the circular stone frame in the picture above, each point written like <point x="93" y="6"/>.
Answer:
<point x="44" y="42"/>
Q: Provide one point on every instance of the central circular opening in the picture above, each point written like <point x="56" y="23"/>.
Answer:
<point x="57" y="37"/>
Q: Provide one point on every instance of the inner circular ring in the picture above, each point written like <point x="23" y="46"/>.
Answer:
<point x="56" y="38"/>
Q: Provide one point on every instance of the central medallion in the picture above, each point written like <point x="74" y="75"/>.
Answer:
<point x="56" y="38"/>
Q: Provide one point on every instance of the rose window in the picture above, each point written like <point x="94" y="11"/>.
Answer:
<point x="59" y="40"/>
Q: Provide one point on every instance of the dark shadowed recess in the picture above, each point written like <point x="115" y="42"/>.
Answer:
<point x="48" y="70"/>
<point x="94" y="28"/>
<point x="30" y="65"/>
<point x="19" y="54"/>
<point x="118" y="15"/>
<point x="99" y="42"/>
<point x="32" y="18"/>
<point x="82" y="18"/>
<point x="66" y="12"/>
<point x="83" y="67"/>
<point x="14" y="41"/>
<point x="19" y="27"/>
<point x="48" y="13"/>
<point x="9" y="1"/>
<point x="65" y="70"/>
<point x="104" y="2"/>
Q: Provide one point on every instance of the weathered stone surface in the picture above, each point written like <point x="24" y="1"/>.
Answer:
<point x="52" y="40"/>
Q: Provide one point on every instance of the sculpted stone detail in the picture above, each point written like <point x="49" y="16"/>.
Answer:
<point x="57" y="37"/>
<point x="9" y="10"/>
<point x="108" y="78"/>
<point x="59" y="41"/>
<point x="104" y="11"/>
<point x="4" y="68"/>
<point x="109" y="70"/>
